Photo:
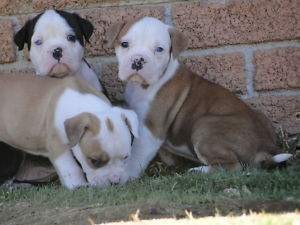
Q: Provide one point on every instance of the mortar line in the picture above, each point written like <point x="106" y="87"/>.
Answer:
<point x="241" y="48"/>
<point x="168" y="14"/>
<point x="249" y="72"/>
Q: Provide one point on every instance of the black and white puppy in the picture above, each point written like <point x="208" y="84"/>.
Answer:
<point x="55" y="41"/>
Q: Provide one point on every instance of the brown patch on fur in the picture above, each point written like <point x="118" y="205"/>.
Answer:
<point x="76" y="126"/>
<point x="109" y="125"/>
<point x="118" y="30"/>
<point x="210" y="120"/>
<point x="179" y="42"/>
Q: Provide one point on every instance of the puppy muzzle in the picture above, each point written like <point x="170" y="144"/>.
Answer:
<point x="138" y="63"/>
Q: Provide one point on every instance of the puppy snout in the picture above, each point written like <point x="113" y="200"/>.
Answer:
<point x="57" y="53"/>
<point x="115" y="179"/>
<point x="138" y="63"/>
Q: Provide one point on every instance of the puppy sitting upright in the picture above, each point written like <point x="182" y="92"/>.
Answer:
<point x="55" y="41"/>
<point x="49" y="116"/>
<point x="182" y="111"/>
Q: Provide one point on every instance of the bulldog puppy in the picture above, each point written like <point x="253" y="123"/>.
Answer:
<point x="49" y="116"/>
<point x="55" y="41"/>
<point x="182" y="111"/>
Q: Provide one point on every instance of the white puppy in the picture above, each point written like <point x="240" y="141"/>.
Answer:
<point x="55" y="40"/>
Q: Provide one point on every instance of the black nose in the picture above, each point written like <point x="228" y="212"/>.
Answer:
<point x="138" y="64"/>
<point x="57" y="53"/>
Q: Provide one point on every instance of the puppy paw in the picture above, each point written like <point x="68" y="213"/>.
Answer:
<point x="200" y="169"/>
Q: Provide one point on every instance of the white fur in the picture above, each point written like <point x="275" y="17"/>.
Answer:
<point x="116" y="144"/>
<point x="52" y="29"/>
<point x="143" y="37"/>
<point x="200" y="169"/>
<point x="143" y="42"/>
<point x="69" y="172"/>
<point x="281" y="157"/>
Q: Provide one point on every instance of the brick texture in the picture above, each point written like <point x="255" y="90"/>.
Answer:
<point x="238" y="22"/>
<point x="277" y="69"/>
<point x="102" y="18"/>
<point x="282" y="110"/>
<point x="111" y="83"/>
<point x="7" y="52"/>
<point x="226" y="70"/>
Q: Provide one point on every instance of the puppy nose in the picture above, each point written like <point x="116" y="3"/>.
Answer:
<point x="57" y="53"/>
<point x="115" y="179"/>
<point x="138" y="63"/>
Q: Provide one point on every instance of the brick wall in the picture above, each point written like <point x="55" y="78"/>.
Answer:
<point x="249" y="46"/>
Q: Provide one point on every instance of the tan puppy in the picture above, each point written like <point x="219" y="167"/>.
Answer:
<point x="178" y="109"/>
<point x="49" y="116"/>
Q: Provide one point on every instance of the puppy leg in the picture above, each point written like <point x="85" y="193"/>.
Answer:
<point x="69" y="172"/>
<point x="144" y="150"/>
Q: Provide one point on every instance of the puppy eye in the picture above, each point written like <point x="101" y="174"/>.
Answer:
<point x="98" y="162"/>
<point x="159" y="49"/>
<point x="38" y="42"/>
<point x="71" y="38"/>
<point x="125" y="44"/>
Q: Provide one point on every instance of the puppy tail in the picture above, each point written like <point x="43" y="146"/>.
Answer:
<point x="267" y="161"/>
<point x="282" y="157"/>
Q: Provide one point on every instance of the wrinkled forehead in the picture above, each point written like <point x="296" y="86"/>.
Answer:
<point x="51" y="23"/>
<point x="149" y="31"/>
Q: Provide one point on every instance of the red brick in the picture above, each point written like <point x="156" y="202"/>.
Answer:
<point x="208" y="25"/>
<point x="102" y="18"/>
<point x="282" y="110"/>
<point x="226" y="70"/>
<point x="7" y="53"/>
<point x="109" y="79"/>
<point x="277" y="69"/>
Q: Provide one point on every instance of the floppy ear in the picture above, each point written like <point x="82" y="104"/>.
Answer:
<point x="25" y="33"/>
<point x="131" y="120"/>
<point x="113" y="32"/>
<point x="76" y="126"/>
<point x="179" y="42"/>
<point x="86" y="27"/>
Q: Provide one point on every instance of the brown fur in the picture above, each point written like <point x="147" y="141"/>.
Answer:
<point x="118" y="30"/>
<point x="178" y="42"/>
<point x="218" y="128"/>
<point x="27" y="110"/>
<point x="109" y="125"/>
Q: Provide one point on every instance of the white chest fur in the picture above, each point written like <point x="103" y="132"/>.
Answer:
<point x="139" y="99"/>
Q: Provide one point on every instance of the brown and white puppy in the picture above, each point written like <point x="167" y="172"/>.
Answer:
<point x="55" y="40"/>
<point x="49" y="116"/>
<point x="180" y="110"/>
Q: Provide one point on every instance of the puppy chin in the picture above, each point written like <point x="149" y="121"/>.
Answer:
<point x="136" y="78"/>
<point x="59" y="70"/>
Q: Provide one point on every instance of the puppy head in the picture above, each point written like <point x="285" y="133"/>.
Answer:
<point x="144" y="48"/>
<point x="55" y="40"/>
<point x="105" y="140"/>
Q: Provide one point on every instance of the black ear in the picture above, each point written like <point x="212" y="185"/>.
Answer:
<point x="23" y="36"/>
<point x="82" y="27"/>
<point x="86" y="27"/>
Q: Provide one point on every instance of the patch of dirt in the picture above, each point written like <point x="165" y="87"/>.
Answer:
<point x="24" y="213"/>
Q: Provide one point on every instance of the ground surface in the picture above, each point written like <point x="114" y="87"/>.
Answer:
<point x="157" y="197"/>
<point x="165" y="193"/>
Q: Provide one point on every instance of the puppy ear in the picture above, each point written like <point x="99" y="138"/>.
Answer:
<point x="76" y="126"/>
<point x="179" y="42"/>
<point x="25" y="33"/>
<point x="113" y="32"/>
<point x="86" y="27"/>
<point x="131" y="120"/>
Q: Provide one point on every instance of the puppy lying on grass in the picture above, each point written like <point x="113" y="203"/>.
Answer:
<point x="49" y="116"/>
<point x="181" y="111"/>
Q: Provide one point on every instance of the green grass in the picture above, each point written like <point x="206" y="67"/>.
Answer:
<point x="162" y="196"/>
